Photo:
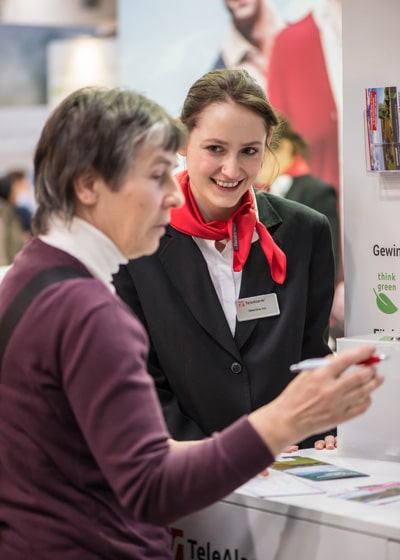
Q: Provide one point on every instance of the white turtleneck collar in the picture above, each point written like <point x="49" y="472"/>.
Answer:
<point x="87" y="244"/>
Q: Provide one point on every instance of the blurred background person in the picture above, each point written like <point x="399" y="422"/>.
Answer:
<point x="286" y="172"/>
<point x="253" y="27"/>
<point x="22" y="198"/>
<point x="305" y="84"/>
<point x="16" y="208"/>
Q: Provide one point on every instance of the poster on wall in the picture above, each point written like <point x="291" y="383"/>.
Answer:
<point x="386" y="288"/>
<point x="291" y="47"/>
<point x="373" y="265"/>
<point x="163" y="56"/>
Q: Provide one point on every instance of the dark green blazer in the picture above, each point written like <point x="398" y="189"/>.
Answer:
<point x="205" y="377"/>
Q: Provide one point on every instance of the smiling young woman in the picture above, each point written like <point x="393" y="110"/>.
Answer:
<point x="227" y="245"/>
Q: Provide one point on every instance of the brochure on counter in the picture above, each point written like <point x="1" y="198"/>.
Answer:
<point x="306" y="471"/>
<point x="313" y="469"/>
<point x="376" y="494"/>
<point x="277" y="485"/>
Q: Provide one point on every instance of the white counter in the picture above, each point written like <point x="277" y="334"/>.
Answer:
<point x="305" y="527"/>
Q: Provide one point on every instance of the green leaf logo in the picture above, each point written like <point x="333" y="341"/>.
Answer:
<point x="385" y="304"/>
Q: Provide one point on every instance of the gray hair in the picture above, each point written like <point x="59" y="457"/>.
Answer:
<point x="99" y="130"/>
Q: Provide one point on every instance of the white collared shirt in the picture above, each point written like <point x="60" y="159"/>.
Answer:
<point x="87" y="244"/>
<point x="225" y="280"/>
<point x="281" y="186"/>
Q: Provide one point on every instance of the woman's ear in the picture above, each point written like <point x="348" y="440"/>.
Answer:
<point x="86" y="188"/>
<point x="183" y="149"/>
<point x="271" y="138"/>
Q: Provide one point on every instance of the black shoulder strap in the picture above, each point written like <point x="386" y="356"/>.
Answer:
<point x="28" y="293"/>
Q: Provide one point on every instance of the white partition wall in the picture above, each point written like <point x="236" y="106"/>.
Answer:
<point x="371" y="201"/>
<point x="375" y="434"/>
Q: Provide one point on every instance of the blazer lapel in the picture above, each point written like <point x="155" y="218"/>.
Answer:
<point x="194" y="284"/>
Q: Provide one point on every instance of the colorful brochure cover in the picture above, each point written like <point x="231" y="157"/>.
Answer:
<point x="277" y="485"/>
<point x="377" y="494"/>
<point x="312" y="469"/>
<point x="382" y="128"/>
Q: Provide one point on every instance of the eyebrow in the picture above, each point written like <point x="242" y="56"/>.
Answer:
<point x="217" y="141"/>
<point x="163" y="159"/>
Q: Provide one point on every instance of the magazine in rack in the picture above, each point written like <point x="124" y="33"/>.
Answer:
<point x="382" y="128"/>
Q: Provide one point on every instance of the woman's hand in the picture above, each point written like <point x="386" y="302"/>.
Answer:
<point x="329" y="442"/>
<point x="318" y="400"/>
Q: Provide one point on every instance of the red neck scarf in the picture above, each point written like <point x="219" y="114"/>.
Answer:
<point x="239" y="228"/>
<point x="297" y="168"/>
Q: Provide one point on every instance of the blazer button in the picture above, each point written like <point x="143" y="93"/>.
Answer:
<point x="236" y="368"/>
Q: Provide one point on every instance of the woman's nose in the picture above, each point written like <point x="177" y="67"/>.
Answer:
<point x="230" y="167"/>
<point x="175" y="197"/>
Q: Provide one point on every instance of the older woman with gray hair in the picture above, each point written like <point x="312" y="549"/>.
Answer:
<point x="87" y="466"/>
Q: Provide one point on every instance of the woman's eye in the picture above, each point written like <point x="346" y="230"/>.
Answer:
<point x="160" y="177"/>
<point x="250" y="151"/>
<point x="214" y="149"/>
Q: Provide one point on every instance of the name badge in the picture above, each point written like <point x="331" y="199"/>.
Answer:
<point x="257" y="307"/>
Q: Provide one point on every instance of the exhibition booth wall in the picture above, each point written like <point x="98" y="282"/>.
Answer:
<point x="371" y="199"/>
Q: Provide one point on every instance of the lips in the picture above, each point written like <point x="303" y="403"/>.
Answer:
<point x="226" y="184"/>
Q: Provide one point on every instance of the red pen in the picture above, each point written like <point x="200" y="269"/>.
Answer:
<point x="314" y="363"/>
<point x="373" y="360"/>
